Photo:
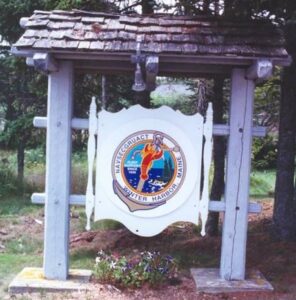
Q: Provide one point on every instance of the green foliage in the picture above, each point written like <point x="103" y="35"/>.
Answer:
<point x="11" y="264"/>
<point x="8" y="180"/>
<point x="34" y="157"/>
<point x="264" y="153"/>
<point x="98" y="225"/>
<point x="267" y="102"/>
<point x="11" y="11"/>
<point x="262" y="183"/>
<point x="82" y="258"/>
<point x="178" y="94"/>
<point x="24" y="245"/>
<point x="22" y="95"/>
<point x="151" y="268"/>
<point x="11" y="205"/>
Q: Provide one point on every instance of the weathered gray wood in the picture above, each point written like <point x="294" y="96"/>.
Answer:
<point x="58" y="172"/>
<point x="219" y="129"/>
<point x="23" y="22"/>
<point x="260" y="70"/>
<point x="207" y="281"/>
<point x="220" y="206"/>
<point x="196" y="61"/>
<point x="43" y="62"/>
<point x="233" y="256"/>
<point x="217" y="206"/>
<point x="152" y="65"/>
<point x="76" y="123"/>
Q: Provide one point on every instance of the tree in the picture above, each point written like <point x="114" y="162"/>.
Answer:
<point x="20" y="99"/>
<point x="219" y="152"/>
<point x="284" y="217"/>
<point x="284" y="14"/>
<point x="22" y="90"/>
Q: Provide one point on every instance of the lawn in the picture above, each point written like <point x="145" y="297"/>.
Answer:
<point x="21" y="237"/>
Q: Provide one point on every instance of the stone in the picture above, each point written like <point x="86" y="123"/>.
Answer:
<point x="31" y="280"/>
<point x="209" y="281"/>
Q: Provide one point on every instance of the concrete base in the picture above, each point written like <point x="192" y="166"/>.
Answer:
<point x="209" y="281"/>
<point x="31" y="280"/>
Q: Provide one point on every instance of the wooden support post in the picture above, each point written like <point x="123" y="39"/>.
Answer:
<point x="233" y="256"/>
<point x="58" y="172"/>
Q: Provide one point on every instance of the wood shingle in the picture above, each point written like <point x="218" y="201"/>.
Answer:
<point x="99" y="32"/>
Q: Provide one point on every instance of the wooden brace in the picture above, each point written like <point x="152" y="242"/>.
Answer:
<point x="43" y="62"/>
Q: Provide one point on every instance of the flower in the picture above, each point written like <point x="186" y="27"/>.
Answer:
<point x="147" y="268"/>
<point x="169" y="258"/>
<point x="98" y="259"/>
<point x="112" y="264"/>
<point x="101" y="252"/>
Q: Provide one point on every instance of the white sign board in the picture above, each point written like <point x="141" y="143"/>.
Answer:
<point x="148" y="169"/>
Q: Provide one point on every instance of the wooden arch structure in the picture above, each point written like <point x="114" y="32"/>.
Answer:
<point x="61" y="43"/>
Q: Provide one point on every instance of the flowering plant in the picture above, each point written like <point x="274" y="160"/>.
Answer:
<point x="149" y="267"/>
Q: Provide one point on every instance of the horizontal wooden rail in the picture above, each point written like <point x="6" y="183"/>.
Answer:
<point x="217" y="206"/>
<point x="219" y="129"/>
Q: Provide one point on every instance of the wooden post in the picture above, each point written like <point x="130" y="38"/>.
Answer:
<point x="233" y="256"/>
<point x="58" y="172"/>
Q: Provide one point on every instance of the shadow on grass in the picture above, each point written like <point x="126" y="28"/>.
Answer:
<point x="17" y="205"/>
<point x="82" y="259"/>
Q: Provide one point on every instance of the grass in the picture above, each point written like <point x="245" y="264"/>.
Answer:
<point x="25" y="245"/>
<point x="11" y="264"/>
<point x="82" y="259"/>
<point x="188" y="260"/>
<point x="16" y="205"/>
<point x="262" y="183"/>
<point x="26" y="250"/>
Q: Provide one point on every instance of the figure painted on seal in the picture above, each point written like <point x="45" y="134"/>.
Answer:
<point x="151" y="152"/>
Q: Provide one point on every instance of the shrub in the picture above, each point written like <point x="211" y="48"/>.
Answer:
<point x="34" y="157"/>
<point x="150" y="267"/>
<point x="264" y="153"/>
<point x="8" y="179"/>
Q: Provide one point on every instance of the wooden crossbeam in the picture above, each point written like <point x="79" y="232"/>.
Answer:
<point x="79" y="200"/>
<point x="82" y="124"/>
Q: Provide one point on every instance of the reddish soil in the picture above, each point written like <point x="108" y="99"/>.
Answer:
<point x="276" y="260"/>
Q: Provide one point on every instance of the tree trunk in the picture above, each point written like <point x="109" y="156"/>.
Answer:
<point x="219" y="150"/>
<point x="284" y="217"/>
<point x="147" y="7"/>
<point x="20" y="163"/>
<point x="216" y="7"/>
<point x="228" y="10"/>
<point x="104" y="98"/>
<point x="142" y="98"/>
<point x="206" y="7"/>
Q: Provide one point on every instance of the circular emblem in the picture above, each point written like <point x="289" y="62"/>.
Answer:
<point x="148" y="169"/>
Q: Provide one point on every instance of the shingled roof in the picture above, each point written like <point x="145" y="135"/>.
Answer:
<point x="95" y="32"/>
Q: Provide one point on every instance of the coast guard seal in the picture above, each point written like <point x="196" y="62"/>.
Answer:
<point x="148" y="169"/>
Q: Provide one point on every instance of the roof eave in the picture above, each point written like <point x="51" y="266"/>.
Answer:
<point x="125" y="57"/>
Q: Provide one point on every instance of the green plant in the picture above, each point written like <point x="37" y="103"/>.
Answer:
<point x="262" y="183"/>
<point x="149" y="267"/>
<point x="34" y="156"/>
<point x="8" y="180"/>
<point x="264" y="153"/>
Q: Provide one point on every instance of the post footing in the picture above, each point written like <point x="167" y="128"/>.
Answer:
<point x="31" y="280"/>
<point x="209" y="281"/>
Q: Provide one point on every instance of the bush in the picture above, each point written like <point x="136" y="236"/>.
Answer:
<point x="8" y="179"/>
<point x="264" y="153"/>
<point x="34" y="157"/>
<point x="150" y="267"/>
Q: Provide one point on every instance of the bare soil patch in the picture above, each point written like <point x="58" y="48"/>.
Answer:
<point x="276" y="260"/>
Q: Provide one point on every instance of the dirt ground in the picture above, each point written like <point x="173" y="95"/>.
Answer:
<point x="276" y="260"/>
